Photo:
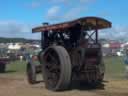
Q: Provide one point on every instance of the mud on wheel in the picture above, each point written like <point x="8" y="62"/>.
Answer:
<point x="56" y="68"/>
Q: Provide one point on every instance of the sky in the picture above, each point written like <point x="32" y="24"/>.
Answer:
<point x="18" y="17"/>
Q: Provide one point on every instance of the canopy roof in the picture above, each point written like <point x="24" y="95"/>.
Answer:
<point x="90" y="23"/>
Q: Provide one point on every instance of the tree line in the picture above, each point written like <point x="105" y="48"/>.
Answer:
<point x="15" y="40"/>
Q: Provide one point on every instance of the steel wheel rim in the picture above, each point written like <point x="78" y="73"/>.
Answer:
<point x="52" y="68"/>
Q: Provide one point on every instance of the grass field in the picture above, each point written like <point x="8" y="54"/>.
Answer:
<point x="114" y="67"/>
<point x="14" y="82"/>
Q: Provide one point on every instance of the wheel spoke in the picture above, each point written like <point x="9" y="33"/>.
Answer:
<point x="56" y="64"/>
<point x="53" y="65"/>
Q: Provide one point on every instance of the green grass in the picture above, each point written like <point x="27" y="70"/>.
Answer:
<point x="114" y="67"/>
<point x="17" y="66"/>
<point x="16" y="69"/>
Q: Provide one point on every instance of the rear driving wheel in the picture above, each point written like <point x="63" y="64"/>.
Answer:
<point x="56" y="68"/>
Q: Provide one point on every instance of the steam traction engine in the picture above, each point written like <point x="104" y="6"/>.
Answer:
<point x="71" y="52"/>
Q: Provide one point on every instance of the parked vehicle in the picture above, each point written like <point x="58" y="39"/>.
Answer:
<point x="71" y="52"/>
<point x="4" y="58"/>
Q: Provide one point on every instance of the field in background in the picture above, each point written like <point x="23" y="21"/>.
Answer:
<point x="14" y="82"/>
<point x="114" y="68"/>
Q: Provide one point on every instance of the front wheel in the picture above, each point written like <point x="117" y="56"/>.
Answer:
<point x="31" y="73"/>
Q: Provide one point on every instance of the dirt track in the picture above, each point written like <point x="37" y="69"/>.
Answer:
<point x="10" y="86"/>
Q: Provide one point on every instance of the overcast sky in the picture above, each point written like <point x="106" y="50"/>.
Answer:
<point x="18" y="17"/>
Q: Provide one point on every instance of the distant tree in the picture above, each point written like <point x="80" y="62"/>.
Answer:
<point x="14" y="40"/>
